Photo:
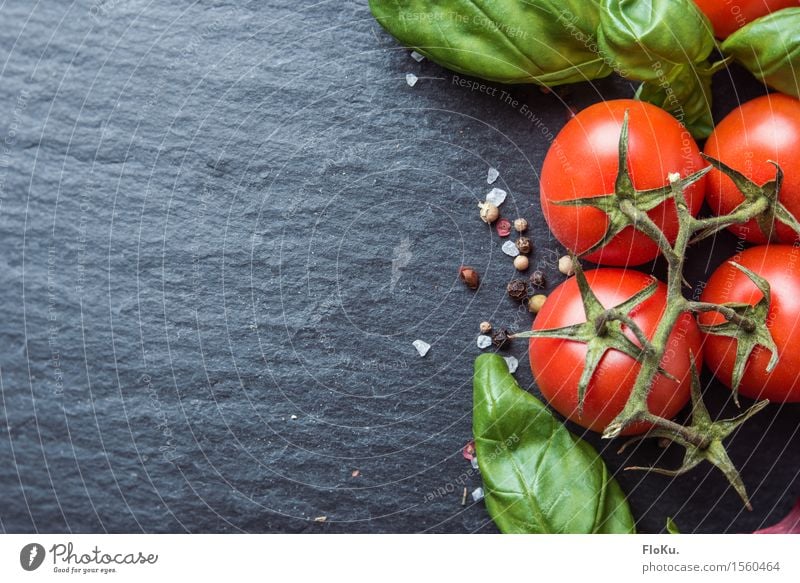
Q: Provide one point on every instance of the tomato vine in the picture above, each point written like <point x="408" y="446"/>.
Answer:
<point x="703" y="437"/>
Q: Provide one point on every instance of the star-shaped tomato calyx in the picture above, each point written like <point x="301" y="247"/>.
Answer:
<point x="702" y="440"/>
<point x="603" y="330"/>
<point x="767" y="193"/>
<point x="627" y="206"/>
<point x="747" y="324"/>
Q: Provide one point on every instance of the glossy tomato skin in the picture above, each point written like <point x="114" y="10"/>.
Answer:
<point x="557" y="364"/>
<point x="766" y="128"/>
<point x="583" y="162"/>
<point x="728" y="16"/>
<point x="780" y="266"/>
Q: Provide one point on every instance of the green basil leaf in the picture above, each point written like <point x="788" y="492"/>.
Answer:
<point x="769" y="47"/>
<point x="549" y="42"/>
<point x="686" y="94"/>
<point x="645" y="34"/>
<point x="538" y="477"/>
<point x="665" y="44"/>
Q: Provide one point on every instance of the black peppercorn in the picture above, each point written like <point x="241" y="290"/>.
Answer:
<point x="524" y="245"/>
<point x="501" y="338"/>
<point x="517" y="289"/>
<point x="537" y="280"/>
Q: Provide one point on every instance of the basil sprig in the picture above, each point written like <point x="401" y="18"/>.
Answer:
<point x="538" y="477"/>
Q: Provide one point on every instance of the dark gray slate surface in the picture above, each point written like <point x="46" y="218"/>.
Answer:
<point x="219" y="216"/>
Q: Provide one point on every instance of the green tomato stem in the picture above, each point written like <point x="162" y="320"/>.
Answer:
<point x="611" y="315"/>
<point x="741" y="214"/>
<point x="636" y="409"/>
<point x="729" y="314"/>
<point x="689" y="434"/>
<point x="646" y="225"/>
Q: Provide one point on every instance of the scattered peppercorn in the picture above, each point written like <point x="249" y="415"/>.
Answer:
<point x="565" y="265"/>
<point x="503" y="227"/>
<point x="521" y="225"/>
<point x="469" y="276"/>
<point x="536" y="302"/>
<point x="524" y="245"/>
<point x="521" y="262"/>
<point x="486" y="327"/>
<point x="501" y="338"/>
<point x="489" y="212"/>
<point x="517" y="289"/>
<point x="537" y="280"/>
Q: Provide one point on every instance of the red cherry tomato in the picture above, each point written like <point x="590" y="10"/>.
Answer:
<point x="558" y="364"/>
<point x="780" y="266"/>
<point x="583" y="162"/>
<point x="728" y="16"/>
<point x="766" y="128"/>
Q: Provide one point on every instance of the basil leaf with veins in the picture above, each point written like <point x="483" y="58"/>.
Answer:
<point x="769" y="47"/>
<point x="549" y="42"/>
<point x="538" y="477"/>
<point x="665" y="44"/>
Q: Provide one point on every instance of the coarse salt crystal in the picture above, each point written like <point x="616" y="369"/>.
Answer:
<point x="510" y="248"/>
<point x="484" y="341"/>
<point x="496" y="196"/>
<point x="422" y="347"/>
<point x="512" y="363"/>
<point x="417" y="57"/>
<point x="492" y="175"/>
<point x="411" y="79"/>
<point x="477" y="494"/>
<point x="474" y="463"/>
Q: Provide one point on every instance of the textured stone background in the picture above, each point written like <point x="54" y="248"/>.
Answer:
<point x="222" y="224"/>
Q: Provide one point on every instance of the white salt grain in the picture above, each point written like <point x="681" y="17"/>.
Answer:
<point x="484" y="341"/>
<point x="496" y="196"/>
<point x="492" y="175"/>
<point x="512" y="363"/>
<point x="477" y="494"/>
<point x="422" y="347"/>
<point x="510" y="248"/>
<point x="411" y="79"/>
<point x="417" y="57"/>
<point x="474" y="462"/>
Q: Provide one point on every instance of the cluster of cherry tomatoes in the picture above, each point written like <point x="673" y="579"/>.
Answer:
<point x="583" y="160"/>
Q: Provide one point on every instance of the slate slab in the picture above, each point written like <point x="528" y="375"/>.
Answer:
<point x="222" y="225"/>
